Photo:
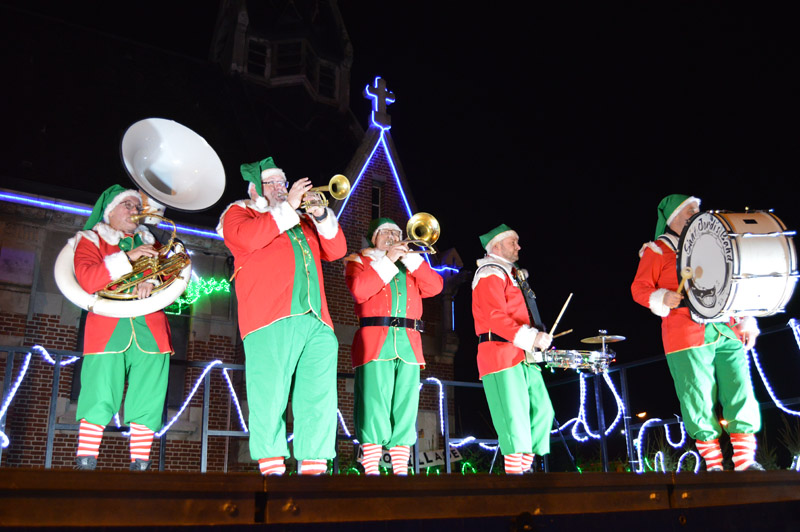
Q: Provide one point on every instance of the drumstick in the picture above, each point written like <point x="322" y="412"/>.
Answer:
<point x="562" y="333"/>
<point x="561" y="313"/>
<point x="686" y="274"/>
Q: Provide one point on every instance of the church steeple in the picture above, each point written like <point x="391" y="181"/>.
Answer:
<point x="284" y="44"/>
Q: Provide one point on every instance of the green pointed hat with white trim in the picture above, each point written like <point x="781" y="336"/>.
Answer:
<point x="110" y="198"/>
<point x="255" y="172"/>
<point x="494" y="236"/>
<point x="668" y="209"/>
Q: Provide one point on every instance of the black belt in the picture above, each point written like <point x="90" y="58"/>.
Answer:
<point x="491" y="337"/>
<point x="393" y="321"/>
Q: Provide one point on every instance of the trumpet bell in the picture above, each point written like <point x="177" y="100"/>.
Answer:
<point x="339" y="187"/>
<point x="423" y="230"/>
<point x="172" y="164"/>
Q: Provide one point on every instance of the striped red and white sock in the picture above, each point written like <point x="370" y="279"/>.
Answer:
<point x="711" y="453"/>
<point x="371" y="458"/>
<point x="89" y="438"/>
<point x="141" y="442"/>
<point x="400" y="454"/>
<point x="513" y="463"/>
<point x="744" y="450"/>
<point x="527" y="461"/>
<point x="272" y="466"/>
<point x="313" y="467"/>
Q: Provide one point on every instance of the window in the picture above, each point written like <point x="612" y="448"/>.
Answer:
<point x="327" y="81"/>
<point x="288" y="58"/>
<point x="376" y="202"/>
<point x="257" y="58"/>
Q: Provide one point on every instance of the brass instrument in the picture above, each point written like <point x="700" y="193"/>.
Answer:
<point x="423" y="231"/>
<point x="164" y="268"/>
<point x="338" y="188"/>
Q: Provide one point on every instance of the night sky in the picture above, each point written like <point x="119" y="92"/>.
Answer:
<point x="569" y="123"/>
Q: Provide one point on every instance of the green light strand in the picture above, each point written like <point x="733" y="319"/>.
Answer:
<point x="197" y="289"/>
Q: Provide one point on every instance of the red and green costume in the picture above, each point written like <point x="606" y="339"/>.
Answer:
<point x="520" y="406"/>
<point x="118" y="348"/>
<point x="290" y="346"/>
<point x="387" y="359"/>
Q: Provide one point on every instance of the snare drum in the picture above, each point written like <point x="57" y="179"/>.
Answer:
<point x="743" y="264"/>
<point x="594" y="361"/>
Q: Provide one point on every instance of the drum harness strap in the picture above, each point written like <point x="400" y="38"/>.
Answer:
<point x="671" y="240"/>
<point x="530" y="300"/>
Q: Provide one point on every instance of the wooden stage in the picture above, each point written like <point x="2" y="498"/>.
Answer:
<point x="541" y="501"/>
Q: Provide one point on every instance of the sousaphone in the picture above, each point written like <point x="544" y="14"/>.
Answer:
<point x="174" y="167"/>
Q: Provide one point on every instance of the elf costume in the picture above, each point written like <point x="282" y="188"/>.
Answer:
<point x="137" y="348"/>
<point x="387" y="349"/>
<point x="520" y="406"/>
<point x="289" y="343"/>
<point x="707" y="361"/>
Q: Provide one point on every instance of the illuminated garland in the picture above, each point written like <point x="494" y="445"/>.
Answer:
<point x="197" y="288"/>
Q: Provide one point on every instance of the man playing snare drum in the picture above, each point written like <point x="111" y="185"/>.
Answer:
<point x="707" y="362"/>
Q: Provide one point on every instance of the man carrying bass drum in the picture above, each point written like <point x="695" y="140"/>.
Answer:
<point x="708" y="362"/>
<point x="115" y="348"/>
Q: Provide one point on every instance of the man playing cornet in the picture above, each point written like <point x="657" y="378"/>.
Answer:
<point x="115" y="348"/>
<point x="288" y="337"/>
<point x="388" y="284"/>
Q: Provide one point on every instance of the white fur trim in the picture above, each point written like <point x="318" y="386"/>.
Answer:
<point x="285" y="217"/>
<point x="656" y="303"/>
<point x="108" y="233"/>
<point x="412" y="261"/>
<point x="117" y="264"/>
<point x="499" y="237"/>
<point x="329" y="227"/>
<point x="680" y="207"/>
<point x="525" y="337"/>
<point x="145" y="234"/>
<point x="272" y="172"/>
<point x="91" y="236"/>
<point x="386" y="225"/>
<point x="749" y="324"/>
<point x="385" y="268"/>
<point x="500" y="268"/>
<point x="261" y="204"/>
<point x="652" y="246"/>
<point x="119" y="198"/>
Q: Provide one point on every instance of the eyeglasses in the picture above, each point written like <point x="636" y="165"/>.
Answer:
<point x="131" y="206"/>
<point x="275" y="184"/>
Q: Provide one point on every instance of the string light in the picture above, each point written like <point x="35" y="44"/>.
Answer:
<point x="84" y="211"/>
<point x="198" y="287"/>
<point x="4" y="441"/>
<point x="768" y="386"/>
<point x="683" y="457"/>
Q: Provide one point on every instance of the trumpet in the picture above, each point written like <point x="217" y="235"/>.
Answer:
<point x="423" y="231"/>
<point x="338" y="188"/>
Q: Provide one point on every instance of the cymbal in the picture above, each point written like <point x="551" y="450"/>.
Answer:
<point x="606" y="338"/>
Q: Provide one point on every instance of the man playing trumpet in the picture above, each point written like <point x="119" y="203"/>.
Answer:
<point x="137" y="348"/>
<point x="288" y="337"/>
<point x="388" y="284"/>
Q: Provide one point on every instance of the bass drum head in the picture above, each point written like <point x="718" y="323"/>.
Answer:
<point x="706" y="248"/>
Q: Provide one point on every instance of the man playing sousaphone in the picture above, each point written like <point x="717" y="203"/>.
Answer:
<point x="115" y="348"/>
<point x="520" y="406"/>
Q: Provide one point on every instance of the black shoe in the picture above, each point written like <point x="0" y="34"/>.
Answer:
<point x="755" y="466"/>
<point x="140" y="465"/>
<point x="85" y="462"/>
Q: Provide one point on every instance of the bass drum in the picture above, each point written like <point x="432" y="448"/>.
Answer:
<point x="743" y="264"/>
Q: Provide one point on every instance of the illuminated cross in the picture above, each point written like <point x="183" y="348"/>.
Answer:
<point x="381" y="97"/>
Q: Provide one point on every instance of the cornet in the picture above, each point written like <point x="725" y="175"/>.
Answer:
<point x="338" y="188"/>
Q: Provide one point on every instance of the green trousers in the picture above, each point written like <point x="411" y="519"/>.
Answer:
<point x="521" y="410"/>
<point x="718" y="370"/>
<point x="295" y="356"/>
<point x="386" y="402"/>
<point x="103" y="383"/>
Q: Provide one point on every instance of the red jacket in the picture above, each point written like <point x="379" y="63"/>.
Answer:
<point x="657" y="274"/>
<point x="98" y="262"/>
<point x="499" y="307"/>
<point x="264" y="259"/>
<point x="368" y="276"/>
